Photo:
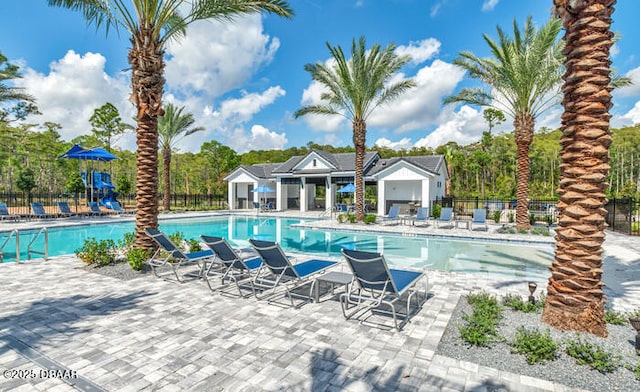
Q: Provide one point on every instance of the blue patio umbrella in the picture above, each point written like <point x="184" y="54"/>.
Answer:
<point x="349" y="188"/>
<point x="263" y="189"/>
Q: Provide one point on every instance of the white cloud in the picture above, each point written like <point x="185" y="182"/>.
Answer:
<point x="216" y="57"/>
<point x="632" y="117"/>
<point x="420" y="51"/>
<point x="435" y="9"/>
<point x="464" y="126"/>
<point x="489" y="5"/>
<point x="259" y="138"/>
<point x="614" y="51"/>
<point x="634" y="88"/>
<point x="400" y="144"/>
<point x="312" y="96"/>
<point x="75" y="86"/>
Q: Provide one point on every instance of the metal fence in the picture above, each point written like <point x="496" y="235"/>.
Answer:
<point x="503" y="211"/>
<point x="19" y="203"/>
<point x="623" y="215"/>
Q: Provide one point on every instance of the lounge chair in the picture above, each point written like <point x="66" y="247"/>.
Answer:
<point x="173" y="257"/>
<point x="446" y="217"/>
<point x="116" y="207"/>
<point x="230" y="264"/>
<point x="94" y="209"/>
<point x="65" y="210"/>
<point x="375" y="284"/>
<point x="421" y="216"/>
<point x="393" y="216"/>
<point x="278" y="271"/>
<point x="37" y="211"/>
<point x="479" y="218"/>
<point x="5" y="215"/>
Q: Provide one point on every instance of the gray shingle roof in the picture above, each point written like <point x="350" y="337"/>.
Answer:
<point x="342" y="161"/>
<point x="262" y="170"/>
<point x="430" y="163"/>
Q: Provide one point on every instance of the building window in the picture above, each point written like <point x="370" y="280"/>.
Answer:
<point x="439" y="184"/>
<point x="314" y="163"/>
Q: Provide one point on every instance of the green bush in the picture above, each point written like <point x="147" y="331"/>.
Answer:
<point x="636" y="371"/>
<point x="615" y="318"/>
<point x="177" y="238"/>
<point x="540" y="230"/>
<point x="342" y="218"/>
<point x="536" y="346"/>
<point x="370" y="218"/>
<point x="95" y="252"/>
<point x="634" y="314"/>
<point x="194" y="245"/>
<point x="496" y="216"/>
<point x="482" y="325"/>
<point x="516" y="302"/>
<point x="136" y="258"/>
<point x="127" y="241"/>
<point x="587" y="353"/>
<point x="511" y="217"/>
<point x="437" y="210"/>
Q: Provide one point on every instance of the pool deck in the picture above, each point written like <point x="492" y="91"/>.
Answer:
<point x="151" y="334"/>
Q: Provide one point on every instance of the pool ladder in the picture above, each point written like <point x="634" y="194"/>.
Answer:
<point x="15" y="233"/>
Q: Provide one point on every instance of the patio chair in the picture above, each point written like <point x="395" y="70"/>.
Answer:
<point x="169" y="255"/>
<point x="375" y="284"/>
<point x="446" y="217"/>
<point x="421" y="216"/>
<point x="37" y="211"/>
<point x="65" y="210"/>
<point x="479" y="218"/>
<point x="5" y="215"/>
<point x="116" y="207"/>
<point x="94" y="209"/>
<point x="278" y="271"/>
<point x="229" y="264"/>
<point x="393" y="216"/>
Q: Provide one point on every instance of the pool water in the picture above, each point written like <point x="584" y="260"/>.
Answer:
<point x="518" y="261"/>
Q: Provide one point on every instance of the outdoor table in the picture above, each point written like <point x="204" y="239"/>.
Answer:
<point x="333" y="278"/>
<point x="465" y="220"/>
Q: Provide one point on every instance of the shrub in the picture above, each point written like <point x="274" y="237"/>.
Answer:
<point x="536" y="346"/>
<point x="370" y="218"/>
<point x="634" y="314"/>
<point x="96" y="252"/>
<point x="496" y="216"/>
<point x="482" y="325"/>
<point x="194" y="245"/>
<point x="636" y="371"/>
<point x="136" y="258"/>
<point x="352" y="218"/>
<point x="342" y="218"/>
<point x="176" y="238"/>
<point x="437" y="210"/>
<point x="516" y="302"/>
<point x="540" y="230"/>
<point x="615" y="318"/>
<point x="127" y="241"/>
<point x="587" y="353"/>
<point x="511" y="217"/>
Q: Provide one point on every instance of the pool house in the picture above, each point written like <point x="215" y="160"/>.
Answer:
<point x="409" y="181"/>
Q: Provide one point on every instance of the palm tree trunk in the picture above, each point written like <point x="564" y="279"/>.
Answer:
<point x="359" y="139"/>
<point x="575" y="300"/>
<point x="523" y="125"/>
<point x="147" y="65"/>
<point x="166" y="170"/>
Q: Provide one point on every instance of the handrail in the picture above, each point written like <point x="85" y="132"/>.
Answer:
<point x="46" y="244"/>
<point x="11" y="233"/>
<point x="328" y="211"/>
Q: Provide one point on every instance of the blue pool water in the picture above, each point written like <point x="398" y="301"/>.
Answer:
<point x="517" y="261"/>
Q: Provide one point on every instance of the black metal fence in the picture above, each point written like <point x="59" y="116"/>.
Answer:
<point x="623" y="215"/>
<point x="19" y="203"/>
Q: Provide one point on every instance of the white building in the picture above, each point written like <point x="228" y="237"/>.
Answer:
<point x="411" y="182"/>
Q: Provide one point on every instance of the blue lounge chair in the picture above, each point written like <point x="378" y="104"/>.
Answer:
<point x="229" y="264"/>
<point x="94" y="209"/>
<point x="446" y="217"/>
<point x="375" y="284"/>
<point x="169" y="255"/>
<point x="278" y="271"/>
<point x="116" y="207"/>
<point x="393" y="216"/>
<point x="37" y="211"/>
<point x="479" y="218"/>
<point x="421" y="216"/>
<point x="5" y="215"/>
<point x="65" y="210"/>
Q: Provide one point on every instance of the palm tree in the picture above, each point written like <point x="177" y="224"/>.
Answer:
<point x="7" y="94"/>
<point x="355" y="89"/>
<point x="575" y="300"/>
<point x="151" y="24"/>
<point x="524" y="75"/>
<point x="172" y="127"/>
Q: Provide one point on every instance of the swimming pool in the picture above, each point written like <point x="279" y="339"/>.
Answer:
<point x="517" y="261"/>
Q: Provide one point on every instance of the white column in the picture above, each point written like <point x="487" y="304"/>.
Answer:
<point x="329" y="192"/>
<point x="303" y="195"/>
<point x="256" y="195"/>
<point x="425" y="193"/>
<point x="279" y="230"/>
<point x="381" y="199"/>
<point x="231" y="195"/>
<point x="280" y="194"/>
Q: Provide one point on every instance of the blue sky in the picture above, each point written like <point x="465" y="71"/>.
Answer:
<point x="242" y="81"/>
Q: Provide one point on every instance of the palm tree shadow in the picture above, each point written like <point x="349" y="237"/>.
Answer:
<point x="49" y="318"/>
